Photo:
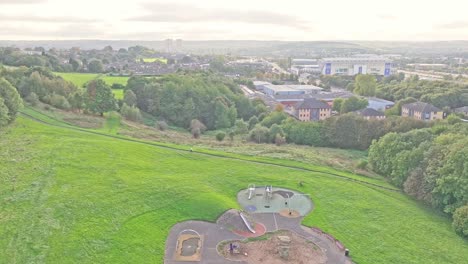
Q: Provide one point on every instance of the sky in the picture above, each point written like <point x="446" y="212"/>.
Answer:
<point x="295" y="20"/>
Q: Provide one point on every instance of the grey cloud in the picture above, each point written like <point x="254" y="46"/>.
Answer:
<point x="33" y="18"/>
<point x="179" y="13"/>
<point x="387" y="17"/>
<point x="67" y="31"/>
<point x="454" y="25"/>
<point x="21" y="2"/>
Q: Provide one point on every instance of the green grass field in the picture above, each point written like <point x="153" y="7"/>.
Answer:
<point x="150" y="60"/>
<point x="74" y="197"/>
<point x="79" y="79"/>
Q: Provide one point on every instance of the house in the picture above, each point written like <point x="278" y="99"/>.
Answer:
<point x="422" y="111"/>
<point x="312" y="109"/>
<point x="379" y="104"/>
<point x="370" y="113"/>
<point x="462" y="110"/>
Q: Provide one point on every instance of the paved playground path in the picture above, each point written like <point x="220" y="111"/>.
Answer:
<point x="214" y="233"/>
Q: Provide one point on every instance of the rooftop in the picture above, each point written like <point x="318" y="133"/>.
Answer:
<point x="370" y="58"/>
<point x="293" y="87"/>
<point x="369" y="112"/>
<point x="312" y="103"/>
<point x="462" y="109"/>
<point x="421" y="107"/>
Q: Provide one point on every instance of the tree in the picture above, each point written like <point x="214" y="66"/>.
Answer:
<point x="197" y="128"/>
<point x="131" y="113"/>
<point x="279" y="140"/>
<point x="130" y="98"/>
<point x="275" y="130"/>
<point x="259" y="134"/>
<point x="241" y="127"/>
<point x="222" y="116"/>
<point x="95" y="66"/>
<point x="365" y="85"/>
<point x="460" y="221"/>
<point x="220" y="136"/>
<point x="337" y="103"/>
<point x="274" y="117"/>
<point x="353" y="104"/>
<point x="99" y="97"/>
<point x="11" y="99"/>
<point x="4" y="119"/>
<point x="252" y="122"/>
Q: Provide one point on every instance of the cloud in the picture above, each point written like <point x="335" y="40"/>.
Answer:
<point x="33" y="18"/>
<point x="180" y="13"/>
<point x="21" y="2"/>
<point x="387" y="17"/>
<point x="454" y="25"/>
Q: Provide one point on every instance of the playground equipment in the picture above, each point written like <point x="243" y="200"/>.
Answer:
<point x="246" y="222"/>
<point x="251" y="189"/>
<point x="188" y="246"/>
<point x="268" y="192"/>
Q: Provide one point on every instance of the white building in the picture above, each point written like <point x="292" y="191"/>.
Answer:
<point x="375" y="65"/>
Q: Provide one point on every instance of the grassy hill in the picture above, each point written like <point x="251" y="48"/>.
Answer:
<point x="69" y="196"/>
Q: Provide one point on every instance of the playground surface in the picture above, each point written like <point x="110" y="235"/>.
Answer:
<point x="232" y="227"/>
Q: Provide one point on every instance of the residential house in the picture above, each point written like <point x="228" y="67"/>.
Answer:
<point x="422" y="111"/>
<point x="370" y="113"/>
<point x="312" y="109"/>
<point x="462" y="110"/>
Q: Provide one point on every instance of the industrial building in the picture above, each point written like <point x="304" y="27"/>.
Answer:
<point x="349" y="66"/>
<point x="290" y="89"/>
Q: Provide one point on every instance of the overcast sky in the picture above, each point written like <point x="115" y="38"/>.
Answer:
<point x="234" y="19"/>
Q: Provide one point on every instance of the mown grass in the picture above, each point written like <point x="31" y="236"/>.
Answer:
<point x="74" y="197"/>
<point x="80" y="79"/>
<point x="150" y="60"/>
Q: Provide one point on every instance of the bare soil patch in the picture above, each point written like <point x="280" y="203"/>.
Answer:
<point x="266" y="249"/>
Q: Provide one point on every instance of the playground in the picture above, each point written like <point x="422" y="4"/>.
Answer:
<point x="267" y="230"/>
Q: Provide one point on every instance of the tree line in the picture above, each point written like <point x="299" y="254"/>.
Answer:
<point x="430" y="164"/>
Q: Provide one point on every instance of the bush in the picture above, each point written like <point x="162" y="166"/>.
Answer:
<point x="117" y="86"/>
<point x="58" y="101"/>
<point x="197" y="128"/>
<point x="220" y="136"/>
<point x="460" y="221"/>
<point x="259" y="134"/>
<point x="279" y="140"/>
<point x="241" y="127"/>
<point x="162" y="125"/>
<point x="362" y="164"/>
<point x="131" y="113"/>
<point x="275" y="130"/>
<point x="32" y="98"/>
<point x="252" y="122"/>
<point x="231" y="135"/>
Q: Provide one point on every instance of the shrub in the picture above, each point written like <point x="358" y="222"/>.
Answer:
<point x="231" y="135"/>
<point x="362" y="164"/>
<point x="252" y="122"/>
<point x="274" y="131"/>
<point x="33" y="99"/>
<point x="59" y="102"/>
<point x="162" y="125"/>
<point x="259" y="134"/>
<point x="241" y="127"/>
<point x="460" y="221"/>
<point x="131" y="113"/>
<point x="279" y="140"/>
<point x="220" y="136"/>
<point x="197" y="128"/>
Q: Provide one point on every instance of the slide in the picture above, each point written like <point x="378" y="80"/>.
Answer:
<point x="247" y="224"/>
